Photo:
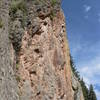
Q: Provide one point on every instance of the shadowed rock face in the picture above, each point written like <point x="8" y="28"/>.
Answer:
<point x="37" y="56"/>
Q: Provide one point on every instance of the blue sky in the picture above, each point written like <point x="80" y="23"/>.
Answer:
<point x="83" y="30"/>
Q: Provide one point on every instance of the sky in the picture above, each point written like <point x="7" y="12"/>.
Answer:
<point x="83" y="31"/>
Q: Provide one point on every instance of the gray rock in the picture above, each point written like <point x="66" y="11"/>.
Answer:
<point x="78" y="95"/>
<point x="8" y="84"/>
<point x="16" y="33"/>
<point x="27" y="92"/>
<point x="44" y="61"/>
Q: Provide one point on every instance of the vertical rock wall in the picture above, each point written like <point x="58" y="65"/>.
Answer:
<point x="35" y="62"/>
<point x="44" y="67"/>
<point x="8" y="84"/>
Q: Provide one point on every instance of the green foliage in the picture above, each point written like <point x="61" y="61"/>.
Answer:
<point x="18" y="78"/>
<point x="17" y="66"/>
<point x="52" y="15"/>
<point x="18" y="9"/>
<point x="1" y="23"/>
<point x="73" y="67"/>
<point x="17" y="23"/>
<point x="88" y="94"/>
<point x="92" y="95"/>
<point x="18" y="5"/>
<point x="84" y="89"/>
<point x="53" y="2"/>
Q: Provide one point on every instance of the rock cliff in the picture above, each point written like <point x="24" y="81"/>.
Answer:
<point x="34" y="52"/>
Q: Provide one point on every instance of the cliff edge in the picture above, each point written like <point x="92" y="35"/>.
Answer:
<point x="34" y="52"/>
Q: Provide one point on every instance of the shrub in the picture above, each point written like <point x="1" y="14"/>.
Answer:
<point x="17" y="23"/>
<point x="53" y="12"/>
<point x="18" y="9"/>
<point x="17" y="66"/>
<point x="18" y="5"/>
<point x="52" y="15"/>
<point x="53" y="2"/>
<point x="18" y="78"/>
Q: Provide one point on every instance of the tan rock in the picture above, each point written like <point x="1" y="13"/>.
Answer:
<point x="43" y="70"/>
<point x="45" y="62"/>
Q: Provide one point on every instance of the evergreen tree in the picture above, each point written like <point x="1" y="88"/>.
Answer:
<point x="92" y="95"/>
<point x="73" y="67"/>
<point x="84" y="89"/>
<point x="88" y="94"/>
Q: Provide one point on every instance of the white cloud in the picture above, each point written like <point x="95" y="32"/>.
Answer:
<point x="97" y="93"/>
<point x="91" y="73"/>
<point x="87" y="60"/>
<point x="87" y="8"/>
<point x="85" y="49"/>
<point x="77" y="46"/>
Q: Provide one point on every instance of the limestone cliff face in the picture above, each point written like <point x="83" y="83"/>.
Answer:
<point x="35" y="62"/>
<point x="8" y="83"/>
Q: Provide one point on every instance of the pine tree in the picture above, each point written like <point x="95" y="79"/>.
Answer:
<point x="73" y="67"/>
<point x="88" y="94"/>
<point x="92" y="95"/>
<point x="84" y="89"/>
